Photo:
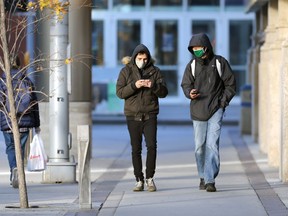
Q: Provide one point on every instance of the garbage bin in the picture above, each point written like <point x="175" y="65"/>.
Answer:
<point x="246" y="103"/>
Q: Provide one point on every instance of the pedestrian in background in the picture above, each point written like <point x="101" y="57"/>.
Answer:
<point x="26" y="120"/>
<point x="140" y="84"/>
<point x="209" y="83"/>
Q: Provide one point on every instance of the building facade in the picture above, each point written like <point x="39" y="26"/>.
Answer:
<point x="165" y="27"/>
<point x="268" y="72"/>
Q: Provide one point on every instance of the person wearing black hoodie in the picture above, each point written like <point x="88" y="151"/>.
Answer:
<point x="140" y="84"/>
<point x="209" y="88"/>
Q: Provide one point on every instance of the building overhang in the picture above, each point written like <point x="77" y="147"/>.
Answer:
<point x="255" y="5"/>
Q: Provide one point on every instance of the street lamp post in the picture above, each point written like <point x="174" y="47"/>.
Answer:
<point x="60" y="168"/>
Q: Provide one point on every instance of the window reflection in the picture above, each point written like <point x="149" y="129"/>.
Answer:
<point x="129" y="33"/>
<point x="166" y="2"/>
<point x="100" y="4"/>
<point x="203" y="2"/>
<point x="128" y="5"/>
<point x="239" y="34"/>
<point x="171" y="79"/>
<point x="235" y="2"/>
<point x="97" y="42"/>
<point x="166" y="42"/>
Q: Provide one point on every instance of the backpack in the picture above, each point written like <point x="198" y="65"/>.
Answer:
<point x="218" y="66"/>
<point x="22" y="91"/>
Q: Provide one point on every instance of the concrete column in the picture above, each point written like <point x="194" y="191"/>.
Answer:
<point x="261" y="23"/>
<point x="255" y="86"/>
<point x="265" y="59"/>
<point x="273" y="91"/>
<point x="42" y="51"/>
<point x="283" y="31"/>
<point x="80" y="41"/>
<point x="284" y="114"/>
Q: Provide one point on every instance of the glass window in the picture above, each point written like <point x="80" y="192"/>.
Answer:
<point x="240" y="41"/>
<point x="100" y="4"/>
<point x="129" y="32"/>
<point x="128" y="5"/>
<point x="166" y="52"/>
<point x="166" y="42"/>
<point x="235" y="5"/>
<point x="207" y="27"/>
<point x="171" y="79"/>
<point x="166" y="4"/>
<point x="204" y="2"/>
<point x="235" y="2"/>
<point x="207" y="5"/>
<point x="97" y="42"/>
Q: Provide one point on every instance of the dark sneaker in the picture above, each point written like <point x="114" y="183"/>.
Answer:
<point x="210" y="187"/>
<point x="150" y="185"/>
<point x="139" y="186"/>
<point x="202" y="184"/>
<point x="15" y="178"/>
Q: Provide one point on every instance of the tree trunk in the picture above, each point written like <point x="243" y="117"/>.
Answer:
<point x="12" y="114"/>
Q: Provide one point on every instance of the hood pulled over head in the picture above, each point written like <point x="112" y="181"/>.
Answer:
<point x="141" y="48"/>
<point x="200" y="40"/>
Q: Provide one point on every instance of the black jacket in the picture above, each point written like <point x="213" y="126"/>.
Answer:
<point x="30" y="118"/>
<point x="143" y="101"/>
<point x="215" y="91"/>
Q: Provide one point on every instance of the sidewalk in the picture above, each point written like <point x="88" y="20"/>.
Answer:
<point x="246" y="184"/>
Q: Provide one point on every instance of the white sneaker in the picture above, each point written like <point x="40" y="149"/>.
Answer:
<point x="151" y="185"/>
<point x="139" y="186"/>
<point x="15" y="178"/>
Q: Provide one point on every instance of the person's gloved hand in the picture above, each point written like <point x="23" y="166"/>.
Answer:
<point x="37" y="130"/>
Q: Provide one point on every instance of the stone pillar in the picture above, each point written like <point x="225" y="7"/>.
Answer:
<point x="255" y="86"/>
<point x="283" y="34"/>
<point x="261" y="23"/>
<point x="284" y="114"/>
<point x="273" y="90"/>
<point x="80" y="41"/>
<point x="264" y="91"/>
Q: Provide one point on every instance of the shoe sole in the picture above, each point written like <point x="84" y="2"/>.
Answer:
<point x="151" y="190"/>
<point x="138" y="190"/>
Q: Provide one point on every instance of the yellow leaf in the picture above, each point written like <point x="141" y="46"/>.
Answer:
<point x="68" y="60"/>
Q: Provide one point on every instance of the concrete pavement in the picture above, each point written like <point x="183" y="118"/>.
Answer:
<point x="246" y="184"/>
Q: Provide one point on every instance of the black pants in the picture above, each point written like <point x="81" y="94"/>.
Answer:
<point x="136" y="130"/>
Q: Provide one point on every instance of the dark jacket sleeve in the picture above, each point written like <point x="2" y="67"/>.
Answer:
<point x="160" y="87"/>
<point x="123" y="88"/>
<point x="229" y="83"/>
<point x="187" y="83"/>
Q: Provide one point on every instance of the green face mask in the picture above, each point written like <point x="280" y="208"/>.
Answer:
<point x="199" y="53"/>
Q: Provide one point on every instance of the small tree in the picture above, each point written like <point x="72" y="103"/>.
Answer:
<point x="9" y="48"/>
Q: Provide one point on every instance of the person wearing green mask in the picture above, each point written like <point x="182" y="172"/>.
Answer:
<point x="209" y="91"/>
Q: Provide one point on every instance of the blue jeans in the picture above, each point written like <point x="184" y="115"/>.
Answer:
<point x="10" y="148"/>
<point x="206" y="135"/>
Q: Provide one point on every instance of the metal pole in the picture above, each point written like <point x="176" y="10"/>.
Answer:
<point x="58" y="107"/>
<point x="59" y="169"/>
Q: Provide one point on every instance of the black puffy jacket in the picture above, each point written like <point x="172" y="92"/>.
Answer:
<point x="29" y="119"/>
<point x="215" y="91"/>
<point x="143" y="101"/>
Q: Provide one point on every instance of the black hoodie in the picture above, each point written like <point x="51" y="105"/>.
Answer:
<point x="215" y="91"/>
<point x="143" y="101"/>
